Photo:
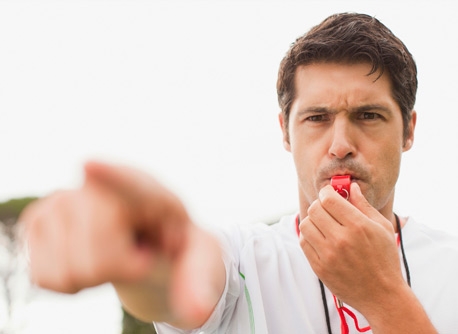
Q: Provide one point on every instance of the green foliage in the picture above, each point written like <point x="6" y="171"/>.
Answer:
<point x="15" y="289"/>
<point x="10" y="210"/>
<point x="130" y="325"/>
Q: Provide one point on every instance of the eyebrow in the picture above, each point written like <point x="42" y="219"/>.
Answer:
<point x="363" y="108"/>
<point x="316" y="110"/>
<point x="369" y="107"/>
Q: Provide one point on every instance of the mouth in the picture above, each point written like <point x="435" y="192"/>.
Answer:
<point x="352" y="177"/>
<point x="356" y="171"/>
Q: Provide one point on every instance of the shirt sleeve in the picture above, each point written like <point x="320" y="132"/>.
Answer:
<point x="219" y="320"/>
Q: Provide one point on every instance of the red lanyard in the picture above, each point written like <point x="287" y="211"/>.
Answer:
<point x="342" y="309"/>
<point x="343" y="321"/>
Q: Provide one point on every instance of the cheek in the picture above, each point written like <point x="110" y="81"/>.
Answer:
<point x="305" y="156"/>
<point x="385" y="173"/>
<point x="390" y="157"/>
<point x="307" y="160"/>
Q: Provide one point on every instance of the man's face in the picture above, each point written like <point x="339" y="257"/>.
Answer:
<point x="343" y="121"/>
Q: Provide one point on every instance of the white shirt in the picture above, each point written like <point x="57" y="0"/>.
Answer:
<point x="271" y="288"/>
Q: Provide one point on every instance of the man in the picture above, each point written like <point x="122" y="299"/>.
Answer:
<point x="347" y="91"/>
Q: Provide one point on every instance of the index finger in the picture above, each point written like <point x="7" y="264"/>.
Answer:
<point x="149" y="200"/>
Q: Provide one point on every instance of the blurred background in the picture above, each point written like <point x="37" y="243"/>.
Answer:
<point x="185" y="90"/>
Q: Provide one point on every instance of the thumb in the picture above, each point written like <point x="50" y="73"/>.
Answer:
<point x="360" y="202"/>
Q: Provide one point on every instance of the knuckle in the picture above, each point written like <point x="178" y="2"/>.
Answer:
<point x="358" y="230"/>
<point x="329" y="201"/>
<point x="313" y="209"/>
<point x="341" y="246"/>
<point x="303" y="242"/>
<point x="307" y="229"/>
<point x="330" y="257"/>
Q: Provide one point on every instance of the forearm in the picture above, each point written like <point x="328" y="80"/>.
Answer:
<point x="182" y="292"/>
<point x="147" y="300"/>
<point x="400" y="313"/>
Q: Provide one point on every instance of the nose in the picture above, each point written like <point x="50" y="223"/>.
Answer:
<point x="342" y="141"/>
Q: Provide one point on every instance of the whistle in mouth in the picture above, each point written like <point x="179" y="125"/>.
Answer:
<point x="341" y="184"/>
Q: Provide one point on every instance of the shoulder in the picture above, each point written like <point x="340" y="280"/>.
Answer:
<point x="256" y="243"/>
<point x="420" y="236"/>
<point x="268" y="238"/>
<point x="238" y="235"/>
<point x="431" y="253"/>
<point x="432" y="257"/>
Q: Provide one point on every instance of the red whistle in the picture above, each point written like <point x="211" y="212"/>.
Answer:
<point x="341" y="184"/>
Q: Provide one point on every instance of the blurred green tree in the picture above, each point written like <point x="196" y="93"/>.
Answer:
<point x="131" y="325"/>
<point x="15" y="287"/>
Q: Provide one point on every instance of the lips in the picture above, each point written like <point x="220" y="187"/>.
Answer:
<point x="357" y="171"/>
<point x="353" y="177"/>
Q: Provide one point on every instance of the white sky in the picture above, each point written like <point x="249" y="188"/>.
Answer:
<point x="186" y="91"/>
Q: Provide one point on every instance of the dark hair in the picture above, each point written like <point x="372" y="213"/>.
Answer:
<point x="351" y="38"/>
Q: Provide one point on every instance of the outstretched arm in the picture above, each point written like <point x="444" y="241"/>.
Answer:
<point x="123" y="227"/>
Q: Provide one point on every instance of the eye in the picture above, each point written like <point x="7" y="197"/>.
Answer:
<point x="369" y="116"/>
<point x="318" y="118"/>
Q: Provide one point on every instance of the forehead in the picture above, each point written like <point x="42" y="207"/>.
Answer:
<point x="338" y="86"/>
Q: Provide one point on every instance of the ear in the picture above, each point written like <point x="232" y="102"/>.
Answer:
<point x="408" y="143"/>
<point x="284" y="129"/>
